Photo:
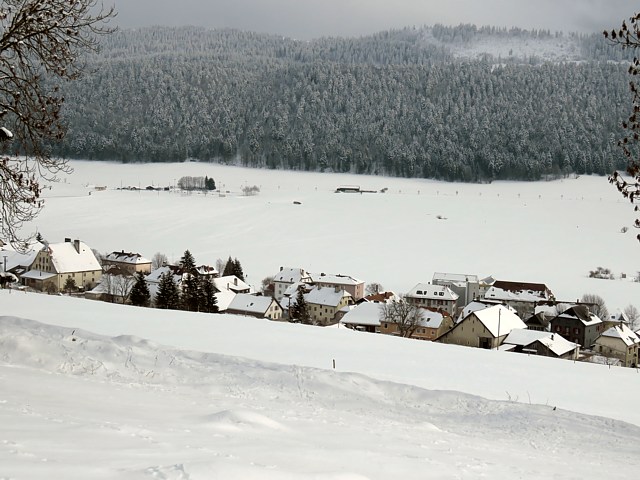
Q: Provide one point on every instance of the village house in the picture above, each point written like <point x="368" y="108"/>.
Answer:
<point x="536" y="342"/>
<point x="522" y="296"/>
<point x="578" y="325"/>
<point x="619" y="342"/>
<point x="352" y="286"/>
<point x="129" y="262"/>
<point x="467" y="287"/>
<point x="538" y="322"/>
<point x="287" y="277"/>
<point x="56" y="263"/>
<point x="431" y="325"/>
<point x="255" y="306"/>
<point x="485" y="328"/>
<point x="115" y="286"/>
<point x="231" y="283"/>
<point x="364" y="317"/>
<point x="325" y="304"/>
<point x="436" y="297"/>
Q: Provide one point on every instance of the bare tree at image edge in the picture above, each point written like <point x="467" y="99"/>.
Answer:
<point x="628" y="36"/>
<point x="38" y="39"/>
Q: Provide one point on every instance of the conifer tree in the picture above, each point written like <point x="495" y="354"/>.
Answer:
<point x="229" y="267"/>
<point x="300" y="309"/>
<point x="167" y="296"/>
<point x="208" y="300"/>
<point x="188" y="262"/>
<point x="190" y="292"/>
<point x="140" y="295"/>
<point x="237" y="269"/>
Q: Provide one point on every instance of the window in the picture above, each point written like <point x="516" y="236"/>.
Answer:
<point x="576" y="331"/>
<point x="441" y="294"/>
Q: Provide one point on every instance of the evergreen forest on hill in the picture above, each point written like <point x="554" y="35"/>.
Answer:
<point x="452" y="103"/>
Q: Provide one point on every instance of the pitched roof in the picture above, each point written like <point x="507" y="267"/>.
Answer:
<point x="518" y="291"/>
<point x="66" y="259"/>
<point x="230" y="282"/>
<point x="555" y="343"/>
<point x="479" y="305"/>
<point x="364" y="314"/>
<point x="624" y="333"/>
<point x="290" y="275"/>
<point x="499" y="320"/>
<point x="430" y="319"/>
<point x="334" y="279"/>
<point x="250" y="303"/>
<point x="434" y="292"/>
<point x="459" y="278"/>
<point x="126" y="257"/>
<point x="325" y="296"/>
<point x="581" y="313"/>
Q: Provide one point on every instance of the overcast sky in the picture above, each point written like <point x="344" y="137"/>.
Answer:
<point x="306" y="19"/>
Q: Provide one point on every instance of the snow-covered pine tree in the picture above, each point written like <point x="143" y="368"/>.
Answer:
<point x="167" y="296"/>
<point x="208" y="300"/>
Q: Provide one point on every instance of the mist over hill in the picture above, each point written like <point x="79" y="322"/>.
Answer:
<point x="455" y="103"/>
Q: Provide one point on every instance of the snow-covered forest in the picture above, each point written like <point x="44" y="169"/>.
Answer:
<point x="454" y="103"/>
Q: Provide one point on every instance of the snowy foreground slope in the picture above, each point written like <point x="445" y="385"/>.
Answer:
<point x="240" y="398"/>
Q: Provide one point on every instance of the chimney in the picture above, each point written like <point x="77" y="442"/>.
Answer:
<point x="235" y="281"/>
<point x="76" y="244"/>
<point x="281" y="268"/>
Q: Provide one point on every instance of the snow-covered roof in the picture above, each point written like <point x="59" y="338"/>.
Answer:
<point x="250" y="303"/>
<point x="581" y="313"/>
<point x="292" y="289"/>
<point x="554" y="342"/>
<point x="430" y="319"/>
<point x="518" y="291"/>
<point x="619" y="316"/>
<point x="38" y="275"/>
<point x="382" y="297"/>
<point x="457" y="278"/>
<point x="203" y="270"/>
<point x="325" y="296"/>
<point x="434" y="292"/>
<point x="15" y="259"/>
<point x="290" y="275"/>
<point x="230" y="282"/>
<point x="624" y="333"/>
<point x="364" y="314"/>
<point x="126" y="257"/>
<point x="334" y="279"/>
<point x="154" y="277"/>
<point x="224" y="299"/>
<point x="76" y="256"/>
<point x="479" y="305"/>
<point x="499" y="320"/>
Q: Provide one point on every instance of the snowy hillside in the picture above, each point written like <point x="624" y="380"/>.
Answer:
<point x="118" y="404"/>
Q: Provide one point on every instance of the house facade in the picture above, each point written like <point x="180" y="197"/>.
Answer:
<point x="287" y="277"/>
<point x="466" y="286"/>
<point x="432" y="325"/>
<point x="436" y="297"/>
<point x="578" y="325"/>
<point x="486" y="328"/>
<point x="537" y="342"/>
<point x="352" y="286"/>
<point x="325" y="304"/>
<point x="619" y="342"/>
<point x="56" y="263"/>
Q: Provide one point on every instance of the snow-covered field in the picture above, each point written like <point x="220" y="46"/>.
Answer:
<point x="549" y="232"/>
<point x="94" y="390"/>
<point x="241" y="398"/>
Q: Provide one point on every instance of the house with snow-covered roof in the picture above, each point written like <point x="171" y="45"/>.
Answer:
<point x="351" y="285"/>
<point x="467" y="286"/>
<point x="548" y="344"/>
<point x="431" y="325"/>
<point x="255" y="306"/>
<point x="577" y="324"/>
<point x="364" y="317"/>
<point x="619" y="342"/>
<point x="56" y="263"/>
<point x="485" y="328"/>
<point x="437" y="297"/>
<point x="325" y="304"/>
<point x="287" y="277"/>
<point x="231" y="283"/>
<point x="523" y="296"/>
<point x="128" y="262"/>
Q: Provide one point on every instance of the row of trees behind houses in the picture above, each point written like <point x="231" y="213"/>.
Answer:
<point x="393" y="103"/>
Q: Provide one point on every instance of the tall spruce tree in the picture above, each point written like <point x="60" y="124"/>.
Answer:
<point x="140" y="296"/>
<point x="237" y="269"/>
<point x="188" y="262"/>
<point x="300" y="310"/>
<point x="168" y="296"/>
<point x="208" y="299"/>
<point x="190" y="292"/>
<point x="228" y="267"/>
